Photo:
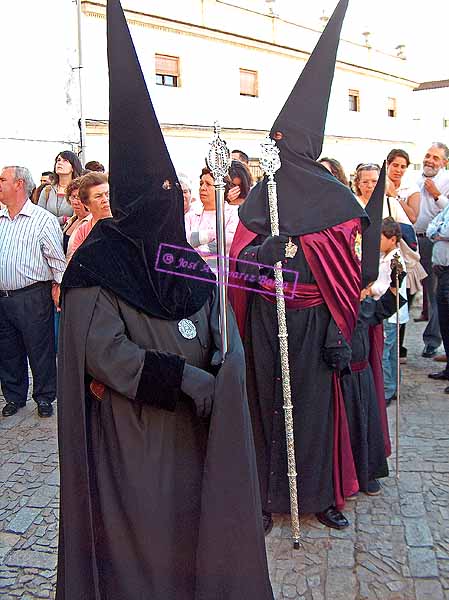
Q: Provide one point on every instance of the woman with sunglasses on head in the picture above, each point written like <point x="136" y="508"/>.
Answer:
<point x="53" y="197"/>
<point x="365" y="180"/>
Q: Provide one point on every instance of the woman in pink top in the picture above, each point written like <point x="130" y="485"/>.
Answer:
<point x="200" y="222"/>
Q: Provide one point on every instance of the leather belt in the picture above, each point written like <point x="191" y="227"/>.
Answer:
<point x="11" y="293"/>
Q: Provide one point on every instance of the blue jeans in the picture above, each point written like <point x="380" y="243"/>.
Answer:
<point x="390" y="360"/>
<point x="56" y="326"/>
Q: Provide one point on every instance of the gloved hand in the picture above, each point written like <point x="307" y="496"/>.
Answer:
<point x="401" y="277"/>
<point x="339" y="358"/>
<point x="200" y="386"/>
<point x="336" y="352"/>
<point x="272" y="249"/>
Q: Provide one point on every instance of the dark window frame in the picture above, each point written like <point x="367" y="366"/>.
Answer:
<point x="354" y="101"/>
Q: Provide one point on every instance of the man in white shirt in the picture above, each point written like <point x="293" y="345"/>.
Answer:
<point x="32" y="264"/>
<point x="438" y="233"/>
<point x="433" y="197"/>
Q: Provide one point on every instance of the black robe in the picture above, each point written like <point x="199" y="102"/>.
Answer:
<point x="155" y="504"/>
<point x="359" y="392"/>
<point x="311" y="391"/>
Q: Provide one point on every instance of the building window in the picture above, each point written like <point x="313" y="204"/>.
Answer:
<point x="445" y="123"/>
<point x="167" y="70"/>
<point x="256" y="169"/>
<point x="248" y="83"/>
<point x="354" y="100"/>
<point x="392" y="109"/>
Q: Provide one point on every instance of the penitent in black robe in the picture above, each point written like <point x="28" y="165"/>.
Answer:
<point x="359" y="392"/>
<point x="156" y="504"/>
<point x="312" y="397"/>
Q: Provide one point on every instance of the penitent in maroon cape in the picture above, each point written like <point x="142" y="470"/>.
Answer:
<point x="323" y="218"/>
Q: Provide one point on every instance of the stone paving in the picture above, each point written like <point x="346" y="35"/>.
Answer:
<point x="397" y="547"/>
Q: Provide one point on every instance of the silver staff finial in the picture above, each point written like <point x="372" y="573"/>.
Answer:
<point x="270" y="161"/>
<point x="219" y="157"/>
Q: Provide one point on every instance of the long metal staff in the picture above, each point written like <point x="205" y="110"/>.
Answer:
<point x="397" y="265"/>
<point x="270" y="163"/>
<point x="218" y="161"/>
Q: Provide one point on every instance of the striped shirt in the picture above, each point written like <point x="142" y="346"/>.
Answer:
<point x="30" y="248"/>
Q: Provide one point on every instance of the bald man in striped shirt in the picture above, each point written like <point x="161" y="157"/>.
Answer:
<point x="32" y="264"/>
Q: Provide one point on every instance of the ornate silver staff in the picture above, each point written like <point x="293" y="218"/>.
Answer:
<point x="270" y="163"/>
<point x="218" y="161"/>
<point x="397" y="265"/>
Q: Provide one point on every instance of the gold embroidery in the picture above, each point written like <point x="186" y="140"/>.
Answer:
<point x="358" y="245"/>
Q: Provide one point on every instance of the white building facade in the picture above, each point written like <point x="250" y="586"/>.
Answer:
<point x="39" y="98"/>
<point x="431" y="103"/>
<point x="203" y="60"/>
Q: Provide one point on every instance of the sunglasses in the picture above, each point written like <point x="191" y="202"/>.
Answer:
<point x="368" y="167"/>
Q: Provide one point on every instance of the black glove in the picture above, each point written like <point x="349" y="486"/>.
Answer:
<point x="272" y="249"/>
<point x="200" y="386"/>
<point x="339" y="358"/>
<point x="336" y="352"/>
<point x="401" y="276"/>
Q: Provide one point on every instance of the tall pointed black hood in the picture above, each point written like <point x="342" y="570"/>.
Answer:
<point x="371" y="236"/>
<point x="309" y="197"/>
<point x="124" y="254"/>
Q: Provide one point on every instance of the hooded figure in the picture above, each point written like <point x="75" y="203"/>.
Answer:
<point x="323" y="218"/>
<point x="367" y="417"/>
<point x="159" y="490"/>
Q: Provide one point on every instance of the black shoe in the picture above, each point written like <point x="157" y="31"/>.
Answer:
<point x="267" y="522"/>
<point x="373" y="488"/>
<point x="11" y="408"/>
<point x="429" y="351"/>
<point x="440" y="376"/>
<point x="331" y="517"/>
<point x="446" y="390"/>
<point x="421" y="318"/>
<point x="44" y="409"/>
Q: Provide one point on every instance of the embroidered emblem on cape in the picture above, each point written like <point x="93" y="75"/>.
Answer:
<point x="358" y="245"/>
<point x="187" y="329"/>
<point x="290" y="249"/>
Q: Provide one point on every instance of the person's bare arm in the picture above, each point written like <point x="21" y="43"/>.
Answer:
<point x="412" y="203"/>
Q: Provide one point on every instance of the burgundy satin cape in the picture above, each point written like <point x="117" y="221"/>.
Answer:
<point x="337" y="272"/>
<point x="376" y="341"/>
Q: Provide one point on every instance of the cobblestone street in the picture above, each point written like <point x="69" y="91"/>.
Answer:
<point x="397" y="547"/>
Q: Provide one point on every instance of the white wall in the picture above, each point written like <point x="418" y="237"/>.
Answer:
<point x="431" y="108"/>
<point x="39" y="101"/>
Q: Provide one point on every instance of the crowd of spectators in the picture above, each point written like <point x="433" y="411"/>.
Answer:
<point x="41" y="229"/>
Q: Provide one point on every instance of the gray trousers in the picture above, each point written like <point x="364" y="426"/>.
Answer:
<point x="431" y="335"/>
